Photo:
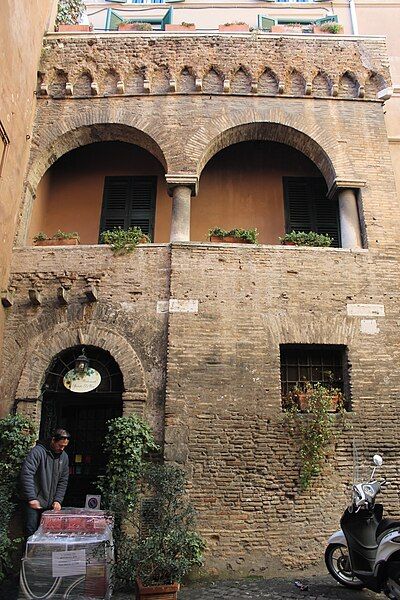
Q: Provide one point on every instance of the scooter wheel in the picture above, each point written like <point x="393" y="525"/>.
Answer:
<point x="337" y="562"/>
<point x="392" y="589"/>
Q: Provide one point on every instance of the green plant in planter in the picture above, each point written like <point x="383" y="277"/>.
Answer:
<point x="65" y="235"/>
<point x="70" y="11"/>
<point x="168" y="546"/>
<point x="139" y="25"/>
<point x="40" y="237"/>
<point x="331" y="27"/>
<point x="314" y="426"/>
<point x="123" y="241"/>
<point x="310" y="238"/>
<point x="17" y="435"/>
<point x="249" y="235"/>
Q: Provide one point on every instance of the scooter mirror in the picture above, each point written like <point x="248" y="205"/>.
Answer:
<point x="378" y="460"/>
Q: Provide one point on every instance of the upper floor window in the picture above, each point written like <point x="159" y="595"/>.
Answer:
<point x="129" y="202"/>
<point x="308" y="209"/>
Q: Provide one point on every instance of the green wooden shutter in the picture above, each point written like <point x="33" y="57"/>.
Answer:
<point x="266" y="23"/>
<point x="129" y="202"/>
<point x="308" y="209"/>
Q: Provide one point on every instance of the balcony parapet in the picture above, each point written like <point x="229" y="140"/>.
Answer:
<point x="344" y="67"/>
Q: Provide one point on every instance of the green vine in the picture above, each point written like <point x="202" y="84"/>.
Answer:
<point x="249" y="235"/>
<point x="70" y="11"/>
<point x="309" y="238"/>
<point x="314" y="425"/>
<point x="17" y="435"/>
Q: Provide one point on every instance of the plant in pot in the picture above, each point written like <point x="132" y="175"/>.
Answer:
<point x="303" y="238"/>
<point x="134" y="25"/>
<point x="60" y="238"/>
<point x="168" y="546"/>
<point x="238" y="236"/>
<point x="237" y="26"/>
<point x="124" y="241"/>
<point x="313" y="425"/>
<point x="180" y="27"/>
<point x="330" y="27"/>
<point x="69" y="14"/>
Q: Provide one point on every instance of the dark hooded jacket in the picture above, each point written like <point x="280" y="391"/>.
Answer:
<point x="44" y="475"/>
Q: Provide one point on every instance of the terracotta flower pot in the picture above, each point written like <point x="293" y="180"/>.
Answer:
<point x="288" y="244"/>
<point x="59" y="242"/>
<point x="228" y="239"/>
<point x="171" y="27"/>
<point x="66" y="27"/>
<point x="234" y="27"/>
<point x="156" y="592"/>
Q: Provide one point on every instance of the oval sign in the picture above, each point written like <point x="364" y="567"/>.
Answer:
<point x="82" y="382"/>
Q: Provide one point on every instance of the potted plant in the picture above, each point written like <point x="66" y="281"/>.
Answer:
<point x="329" y="27"/>
<point x="167" y="547"/>
<point x="180" y="27"/>
<point x="235" y="236"/>
<point x="134" y="25"/>
<point x="237" y="26"/>
<point x="69" y="14"/>
<point x="123" y="241"/>
<point x="303" y="238"/>
<point x="60" y="238"/>
<point x="313" y="426"/>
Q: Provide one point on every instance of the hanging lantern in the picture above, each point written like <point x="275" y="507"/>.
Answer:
<point x="82" y="378"/>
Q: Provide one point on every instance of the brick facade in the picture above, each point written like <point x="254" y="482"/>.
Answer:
<point x="205" y="373"/>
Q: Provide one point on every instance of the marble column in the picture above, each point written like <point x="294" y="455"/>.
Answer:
<point x="349" y="219"/>
<point x="180" y="223"/>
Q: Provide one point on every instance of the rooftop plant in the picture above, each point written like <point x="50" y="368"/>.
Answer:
<point x="123" y="241"/>
<point x="70" y="11"/>
<point x="331" y="27"/>
<point x="249" y="235"/>
<point x="310" y="238"/>
<point x="59" y="235"/>
<point x="138" y="25"/>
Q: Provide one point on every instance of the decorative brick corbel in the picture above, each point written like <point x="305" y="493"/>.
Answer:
<point x="361" y="91"/>
<point x="7" y="298"/>
<point x="254" y="87"/>
<point x="227" y="86"/>
<point x="335" y="90"/>
<point x="91" y="293"/>
<point x="69" y="89"/>
<point x="120" y="87"/>
<point x="146" y="86"/>
<point x="172" y="85"/>
<point x="94" y="88"/>
<point x="198" y="84"/>
<point x="44" y="89"/>
<point x="62" y="296"/>
<point x="308" y="88"/>
<point x="281" y="87"/>
<point x="35" y="297"/>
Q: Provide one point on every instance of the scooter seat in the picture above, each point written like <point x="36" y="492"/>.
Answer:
<point x="387" y="524"/>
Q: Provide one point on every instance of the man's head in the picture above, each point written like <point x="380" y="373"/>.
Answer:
<point x="59" y="440"/>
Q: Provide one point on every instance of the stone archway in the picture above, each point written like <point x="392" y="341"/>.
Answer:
<point x="50" y="343"/>
<point x="85" y="128"/>
<point x="275" y="126"/>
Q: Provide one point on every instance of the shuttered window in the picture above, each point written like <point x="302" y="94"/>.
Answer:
<point x="129" y="202"/>
<point x="308" y="209"/>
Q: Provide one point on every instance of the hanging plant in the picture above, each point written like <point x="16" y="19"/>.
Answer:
<point x="314" y="426"/>
<point x="69" y="12"/>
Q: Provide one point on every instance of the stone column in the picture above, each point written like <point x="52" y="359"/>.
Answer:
<point x="349" y="219"/>
<point x="180" y="223"/>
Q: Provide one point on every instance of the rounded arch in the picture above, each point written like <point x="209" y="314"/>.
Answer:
<point x="319" y="146"/>
<point x="49" y="344"/>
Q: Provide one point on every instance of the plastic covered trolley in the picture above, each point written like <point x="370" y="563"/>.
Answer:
<point x="70" y="557"/>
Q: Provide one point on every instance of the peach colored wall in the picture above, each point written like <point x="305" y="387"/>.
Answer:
<point x="70" y="194"/>
<point x="242" y="187"/>
<point x="22" y="26"/>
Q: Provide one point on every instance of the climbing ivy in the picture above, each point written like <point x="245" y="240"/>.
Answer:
<point x="17" y="435"/>
<point x="69" y="11"/>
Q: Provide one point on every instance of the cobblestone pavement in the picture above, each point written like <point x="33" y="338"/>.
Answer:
<point x="320" y="587"/>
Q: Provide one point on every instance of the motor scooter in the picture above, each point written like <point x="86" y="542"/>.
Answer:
<point x="365" y="552"/>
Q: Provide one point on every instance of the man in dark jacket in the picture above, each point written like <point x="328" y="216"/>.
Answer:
<point x="44" y="478"/>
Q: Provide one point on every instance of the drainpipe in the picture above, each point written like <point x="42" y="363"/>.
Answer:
<point x="353" y="17"/>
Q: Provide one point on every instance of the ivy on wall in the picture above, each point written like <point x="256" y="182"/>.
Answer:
<point x="69" y="11"/>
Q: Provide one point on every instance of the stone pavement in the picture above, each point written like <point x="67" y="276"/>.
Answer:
<point x="320" y="587"/>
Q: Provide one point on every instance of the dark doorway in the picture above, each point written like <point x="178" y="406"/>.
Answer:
<point x="84" y="415"/>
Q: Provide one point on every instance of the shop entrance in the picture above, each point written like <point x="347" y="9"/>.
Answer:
<point x="83" y="414"/>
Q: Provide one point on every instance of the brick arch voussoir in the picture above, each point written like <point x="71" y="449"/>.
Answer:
<point x="92" y="125"/>
<point x="48" y="344"/>
<point x="275" y="125"/>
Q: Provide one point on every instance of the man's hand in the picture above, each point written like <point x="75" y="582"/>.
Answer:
<point x="56" y="506"/>
<point x="35" y="504"/>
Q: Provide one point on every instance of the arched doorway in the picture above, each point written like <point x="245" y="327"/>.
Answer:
<point x="84" y="415"/>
